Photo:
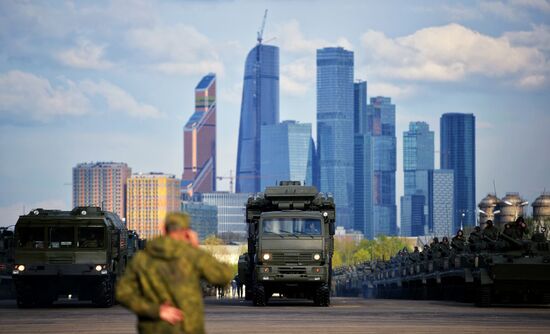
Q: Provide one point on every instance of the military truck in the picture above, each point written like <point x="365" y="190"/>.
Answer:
<point x="6" y="262"/>
<point x="290" y="244"/>
<point x="76" y="254"/>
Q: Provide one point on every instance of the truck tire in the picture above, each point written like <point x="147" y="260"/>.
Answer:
<point x="104" y="295"/>
<point x="322" y="295"/>
<point x="260" y="298"/>
<point x="24" y="295"/>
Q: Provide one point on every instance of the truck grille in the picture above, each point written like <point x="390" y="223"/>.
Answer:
<point x="61" y="259"/>
<point x="293" y="257"/>
<point x="292" y="270"/>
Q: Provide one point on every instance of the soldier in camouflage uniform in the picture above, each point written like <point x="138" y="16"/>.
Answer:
<point x="162" y="283"/>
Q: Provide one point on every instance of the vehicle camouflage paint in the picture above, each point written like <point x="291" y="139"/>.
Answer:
<point x="290" y="244"/>
<point x="78" y="253"/>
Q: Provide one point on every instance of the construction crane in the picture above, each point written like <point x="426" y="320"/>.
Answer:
<point x="231" y="179"/>
<point x="261" y="31"/>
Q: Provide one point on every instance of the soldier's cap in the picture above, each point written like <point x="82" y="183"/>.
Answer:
<point x="177" y="220"/>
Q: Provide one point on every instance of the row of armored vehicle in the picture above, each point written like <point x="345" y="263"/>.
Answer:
<point x="489" y="267"/>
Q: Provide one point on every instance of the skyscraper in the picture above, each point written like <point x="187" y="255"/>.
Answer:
<point x="101" y="184"/>
<point x="458" y="154"/>
<point x="442" y="202"/>
<point x="362" y="199"/>
<point x="335" y="136"/>
<point x="150" y="197"/>
<point x="412" y="215"/>
<point x="418" y="157"/>
<point x="231" y="210"/>
<point x="287" y="153"/>
<point x="260" y="106"/>
<point x="199" y="140"/>
<point x="418" y="153"/>
<point x="381" y="126"/>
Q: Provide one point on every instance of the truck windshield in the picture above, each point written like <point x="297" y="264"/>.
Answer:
<point x="91" y="236"/>
<point x="61" y="237"/>
<point x="296" y="226"/>
<point x="30" y="237"/>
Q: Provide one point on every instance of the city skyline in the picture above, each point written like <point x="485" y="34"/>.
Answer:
<point x="126" y="105"/>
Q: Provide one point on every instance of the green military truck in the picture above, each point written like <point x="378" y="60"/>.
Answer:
<point x="290" y="244"/>
<point x="76" y="254"/>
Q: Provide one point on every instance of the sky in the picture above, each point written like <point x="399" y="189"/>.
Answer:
<point x="113" y="81"/>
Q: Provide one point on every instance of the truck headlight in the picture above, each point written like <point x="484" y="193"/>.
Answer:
<point x="99" y="267"/>
<point x="316" y="256"/>
<point x="20" y="267"/>
<point x="266" y="256"/>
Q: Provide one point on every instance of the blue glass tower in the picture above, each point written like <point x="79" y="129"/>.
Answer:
<point x="458" y="154"/>
<point x="362" y="198"/>
<point x="287" y="153"/>
<point x="335" y="128"/>
<point x="381" y="127"/>
<point x="260" y="106"/>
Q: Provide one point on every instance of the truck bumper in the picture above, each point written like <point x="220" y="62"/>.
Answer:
<point x="292" y="274"/>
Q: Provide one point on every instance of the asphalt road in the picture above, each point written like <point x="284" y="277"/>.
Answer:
<point x="346" y="315"/>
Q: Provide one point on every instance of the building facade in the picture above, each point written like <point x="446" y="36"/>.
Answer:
<point x="231" y="210"/>
<point x="363" y="163"/>
<point x="458" y="154"/>
<point x="101" y="184"/>
<point x="199" y="141"/>
<point x="442" y="202"/>
<point x="204" y="218"/>
<point x="335" y="136"/>
<point x="381" y="128"/>
<point x="287" y="153"/>
<point x="418" y="153"/>
<point x="260" y="106"/>
<point x="412" y="215"/>
<point x="150" y="197"/>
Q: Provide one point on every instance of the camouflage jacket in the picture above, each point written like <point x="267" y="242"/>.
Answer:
<point x="169" y="271"/>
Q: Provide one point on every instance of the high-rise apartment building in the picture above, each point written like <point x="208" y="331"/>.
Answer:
<point x="381" y="127"/>
<point x="287" y="153"/>
<point x="199" y="141"/>
<point x="335" y="135"/>
<point x="458" y="154"/>
<point x="260" y="106"/>
<point x="150" y="197"/>
<point x="101" y="184"/>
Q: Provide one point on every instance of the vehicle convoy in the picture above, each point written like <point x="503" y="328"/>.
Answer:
<point x="290" y="244"/>
<point x="78" y="253"/>
<point x="507" y="269"/>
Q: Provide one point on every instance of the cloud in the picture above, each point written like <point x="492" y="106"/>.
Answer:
<point x="176" y="49"/>
<point x="85" y="55"/>
<point x="532" y="81"/>
<point x="298" y="76"/>
<point x="28" y="97"/>
<point x="292" y="40"/>
<point x="501" y="9"/>
<point x="542" y="5"/>
<point x="449" y="53"/>
<point x="538" y="37"/>
<point x="119" y="100"/>
<point x="388" y="89"/>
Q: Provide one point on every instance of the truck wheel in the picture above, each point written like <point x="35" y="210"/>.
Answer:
<point x="483" y="297"/>
<point x="104" y="294"/>
<point x="24" y="296"/>
<point x="259" y="296"/>
<point x="322" y="295"/>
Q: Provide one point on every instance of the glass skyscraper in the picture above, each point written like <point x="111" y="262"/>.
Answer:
<point x="458" y="154"/>
<point x="381" y="127"/>
<point x="260" y="106"/>
<point x="418" y="157"/>
<point x="287" y="153"/>
<point x="335" y="136"/>
<point x="362" y="199"/>
<point x="199" y="141"/>
<point x="442" y="202"/>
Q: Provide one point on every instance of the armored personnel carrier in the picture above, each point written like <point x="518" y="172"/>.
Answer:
<point x="290" y="244"/>
<point x="77" y="254"/>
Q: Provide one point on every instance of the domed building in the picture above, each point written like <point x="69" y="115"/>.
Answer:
<point x="541" y="209"/>
<point x="487" y="208"/>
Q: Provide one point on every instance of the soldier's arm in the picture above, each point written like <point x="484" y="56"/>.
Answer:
<point x="129" y="294"/>
<point x="214" y="271"/>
